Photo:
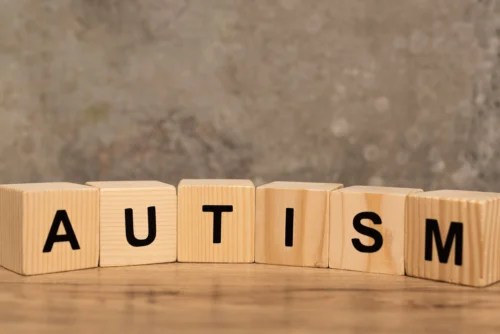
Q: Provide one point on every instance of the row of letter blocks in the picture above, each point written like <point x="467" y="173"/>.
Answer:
<point x="444" y="235"/>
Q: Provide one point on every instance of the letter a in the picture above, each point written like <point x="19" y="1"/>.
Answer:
<point x="61" y="217"/>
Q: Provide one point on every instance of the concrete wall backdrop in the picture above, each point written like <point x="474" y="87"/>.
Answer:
<point x="382" y="92"/>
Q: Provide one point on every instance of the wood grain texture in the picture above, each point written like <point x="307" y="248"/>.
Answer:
<point x="389" y="204"/>
<point x="27" y="212"/>
<point x="240" y="298"/>
<point x="479" y="213"/>
<point x="115" y="197"/>
<point x="11" y="216"/>
<point x="195" y="227"/>
<point x="310" y="204"/>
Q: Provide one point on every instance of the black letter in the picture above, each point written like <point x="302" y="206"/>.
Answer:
<point x="456" y="230"/>
<point x="289" y="227"/>
<point x="129" y="228"/>
<point x="377" y="237"/>
<point x="61" y="217"/>
<point x="217" y="210"/>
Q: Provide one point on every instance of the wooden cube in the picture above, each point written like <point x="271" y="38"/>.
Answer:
<point x="216" y="221"/>
<point x="49" y="227"/>
<point x="453" y="236"/>
<point x="367" y="226"/>
<point x="138" y="222"/>
<point x="292" y="223"/>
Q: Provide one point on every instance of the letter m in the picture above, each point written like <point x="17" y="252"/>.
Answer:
<point x="456" y="232"/>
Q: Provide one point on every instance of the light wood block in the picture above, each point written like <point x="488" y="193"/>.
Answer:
<point x="49" y="227"/>
<point x="367" y="226"/>
<point x="138" y="222"/>
<point x="216" y="221"/>
<point x="454" y="236"/>
<point x="292" y="223"/>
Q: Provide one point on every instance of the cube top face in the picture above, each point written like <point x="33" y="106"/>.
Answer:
<point x="367" y="229"/>
<point x="49" y="186"/>
<point x="119" y="185"/>
<point x="216" y="221"/>
<point x="292" y="223"/>
<point x="138" y="222"/>
<point x="216" y="182"/>
<point x="301" y="185"/>
<point x="49" y="227"/>
<point x="476" y="196"/>
<point x="453" y="237"/>
<point x="380" y="190"/>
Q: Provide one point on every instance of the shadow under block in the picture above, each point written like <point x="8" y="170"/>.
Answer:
<point x="216" y="221"/>
<point x="367" y="226"/>
<point x="138" y="222"/>
<point x="49" y="227"/>
<point x="292" y="223"/>
<point x="453" y="236"/>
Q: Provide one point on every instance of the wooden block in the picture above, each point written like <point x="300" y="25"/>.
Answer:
<point x="49" y="227"/>
<point x="291" y="223"/>
<point x="138" y="222"/>
<point x="454" y="236"/>
<point x="216" y="221"/>
<point x="367" y="226"/>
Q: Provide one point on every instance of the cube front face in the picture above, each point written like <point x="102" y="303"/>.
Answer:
<point x="452" y="236"/>
<point x="216" y="221"/>
<point x="138" y="222"/>
<point x="53" y="229"/>
<point x="292" y="224"/>
<point x="367" y="226"/>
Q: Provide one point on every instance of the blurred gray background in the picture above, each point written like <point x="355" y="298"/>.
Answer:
<point x="380" y="92"/>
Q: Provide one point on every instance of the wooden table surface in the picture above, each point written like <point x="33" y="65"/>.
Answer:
<point x="241" y="298"/>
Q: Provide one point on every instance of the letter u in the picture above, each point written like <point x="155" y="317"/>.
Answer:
<point x="129" y="228"/>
